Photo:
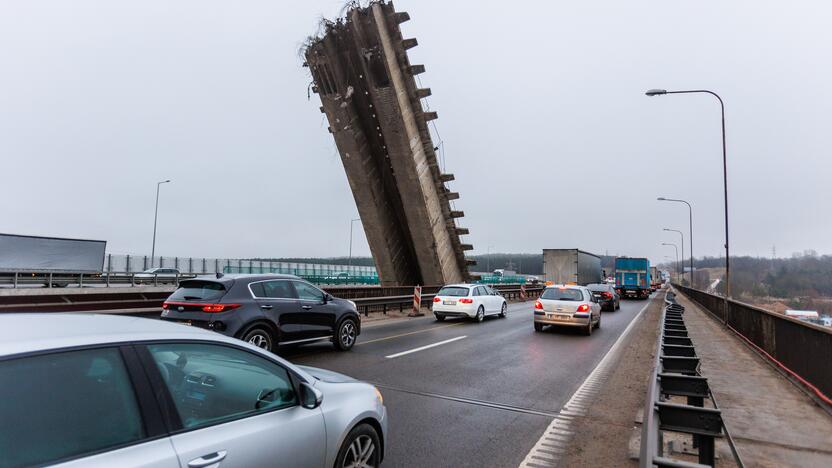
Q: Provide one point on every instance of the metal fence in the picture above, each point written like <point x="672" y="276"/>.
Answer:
<point x="202" y="265"/>
<point x="801" y="349"/>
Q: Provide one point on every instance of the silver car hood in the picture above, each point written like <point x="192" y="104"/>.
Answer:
<point x="327" y="375"/>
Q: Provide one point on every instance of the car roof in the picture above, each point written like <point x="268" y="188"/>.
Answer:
<point x="565" y="286"/>
<point x="246" y="277"/>
<point x="461" y="285"/>
<point x="23" y="333"/>
<point x="26" y="333"/>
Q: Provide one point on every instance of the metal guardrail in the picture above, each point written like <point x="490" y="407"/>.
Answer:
<point x="676" y="374"/>
<point x="795" y="346"/>
<point x="82" y="280"/>
<point x="367" y="298"/>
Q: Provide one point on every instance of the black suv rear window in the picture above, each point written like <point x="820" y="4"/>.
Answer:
<point x="198" y="290"/>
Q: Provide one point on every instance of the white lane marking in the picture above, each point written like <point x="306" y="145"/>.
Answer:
<point x="422" y="348"/>
<point x="557" y="437"/>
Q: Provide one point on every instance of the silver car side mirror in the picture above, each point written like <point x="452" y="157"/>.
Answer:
<point x="310" y="397"/>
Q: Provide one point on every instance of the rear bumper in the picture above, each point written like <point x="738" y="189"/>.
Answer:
<point x="455" y="310"/>
<point x="561" y="320"/>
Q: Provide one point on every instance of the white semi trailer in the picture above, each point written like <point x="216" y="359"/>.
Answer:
<point x="571" y="266"/>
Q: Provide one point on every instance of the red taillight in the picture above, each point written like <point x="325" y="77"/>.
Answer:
<point x="538" y="305"/>
<point x="606" y="295"/>
<point x="466" y="301"/>
<point x="213" y="308"/>
<point x="436" y="299"/>
<point x="583" y="308"/>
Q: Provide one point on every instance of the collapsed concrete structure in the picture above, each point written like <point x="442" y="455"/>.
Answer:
<point x="367" y="86"/>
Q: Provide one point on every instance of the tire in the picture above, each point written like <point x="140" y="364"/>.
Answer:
<point x="538" y="327"/>
<point x="480" y="314"/>
<point x="260" y="337"/>
<point x="347" y="335"/>
<point x="588" y="329"/>
<point x="439" y="317"/>
<point x="598" y="323"/>
<point x="504" y="311"/>
<point x="361" y="447"/>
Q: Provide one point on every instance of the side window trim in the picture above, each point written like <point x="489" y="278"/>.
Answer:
<point x="165" y="399"/>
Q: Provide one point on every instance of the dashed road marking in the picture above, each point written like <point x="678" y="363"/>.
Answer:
<point x="422" y="348"/>
<point x="556" y="438"/>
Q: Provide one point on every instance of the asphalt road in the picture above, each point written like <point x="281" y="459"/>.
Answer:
<point x="483" y="397"/>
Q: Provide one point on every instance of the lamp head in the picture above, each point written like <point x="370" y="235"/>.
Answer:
<point x="656" y="92"/>
<point x="661" y="199"/>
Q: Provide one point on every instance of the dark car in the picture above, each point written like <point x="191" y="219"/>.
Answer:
<point x="264" y="310"/>
<point x="607" y="296"/>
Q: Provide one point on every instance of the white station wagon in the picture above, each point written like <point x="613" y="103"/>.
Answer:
<point x="468" y="300"/>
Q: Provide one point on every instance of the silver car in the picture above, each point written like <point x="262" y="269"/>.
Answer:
<point x="98" y="390"/>
<point x="567" y="306"/>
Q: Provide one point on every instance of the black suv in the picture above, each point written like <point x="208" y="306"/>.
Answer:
<point x="265" y="310"/>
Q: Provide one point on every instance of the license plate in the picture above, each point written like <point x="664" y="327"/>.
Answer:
<point x="449" y="302"/>
<point x="562" y="317"/>
<point x="188" y="323"/>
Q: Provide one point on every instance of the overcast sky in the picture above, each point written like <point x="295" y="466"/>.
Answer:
<point x="542" y="113"/>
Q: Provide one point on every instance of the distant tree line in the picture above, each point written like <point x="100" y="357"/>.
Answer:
<point x="803" y="275"/>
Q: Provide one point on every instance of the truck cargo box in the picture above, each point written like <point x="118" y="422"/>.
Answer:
<point x="571" y="266"/>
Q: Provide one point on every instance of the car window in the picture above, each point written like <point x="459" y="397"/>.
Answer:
<point x="63" y="405"/>
<point x="453" y="291"/>
<point x="277" y="289"/>
<point x="307" y="292"/>
<point x="211" y="384"/>
<point x="198" y="290"/>
<point x="566" y="294"/>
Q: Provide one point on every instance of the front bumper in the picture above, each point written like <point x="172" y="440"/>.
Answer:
<point x="561" y="320"/>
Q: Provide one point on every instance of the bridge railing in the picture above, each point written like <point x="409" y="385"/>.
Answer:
<point x="800" y="349"/>
<point x="143" y="301"/>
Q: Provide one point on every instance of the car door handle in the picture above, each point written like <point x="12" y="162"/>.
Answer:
<point x="207" y="460"/>
<point x="267" y="307"/>
<point x="306" y="307"/>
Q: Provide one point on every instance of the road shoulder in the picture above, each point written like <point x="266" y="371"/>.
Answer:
<point x="602" y="436"/>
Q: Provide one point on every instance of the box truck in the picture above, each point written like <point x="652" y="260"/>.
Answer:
<point x="571" y="266"/>
<point x="632" y="277"/>
<point x="655" y="278"/>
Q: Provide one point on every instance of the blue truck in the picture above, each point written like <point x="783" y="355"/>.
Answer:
<point x="632" y="277"/>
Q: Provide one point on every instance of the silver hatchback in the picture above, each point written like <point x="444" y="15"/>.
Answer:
<point x="567" y="306"/>
<point x="96" y="390"/>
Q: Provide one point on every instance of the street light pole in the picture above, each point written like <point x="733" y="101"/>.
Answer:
<point x="349" y="262"/>
<point x="661" y="92"/>
<point x="690" y="235"/>
<point x="676" y="248"/>
<point x="683" y="248"/>
<point x="155" y="218"/>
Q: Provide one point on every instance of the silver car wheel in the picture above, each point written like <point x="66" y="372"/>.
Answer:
<point x="259" y="340"/>
<point x="480" y="314"/>
<point x="347" y="334"/>
<point x="360" y="453"/>
<point x="504" y="310"/>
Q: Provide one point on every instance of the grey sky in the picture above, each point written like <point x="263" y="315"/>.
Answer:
<point x="541" y="107"/>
